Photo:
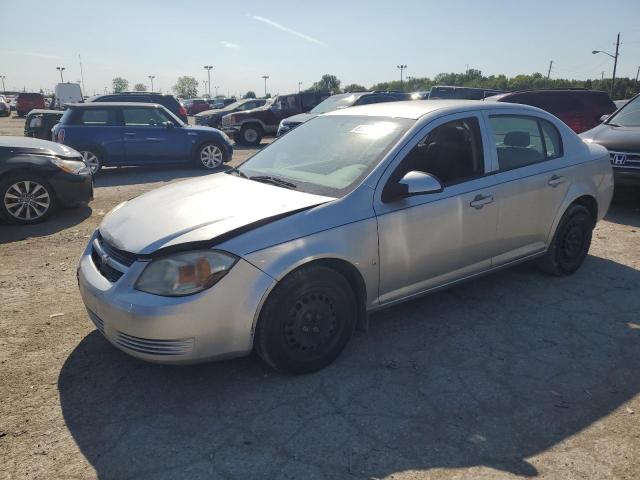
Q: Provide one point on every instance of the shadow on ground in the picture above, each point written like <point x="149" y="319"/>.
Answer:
<point x="60" y="220"/>
<point x="625" y="207"/>
<point x="121" y="176"/>
<point x="488" y="373"/>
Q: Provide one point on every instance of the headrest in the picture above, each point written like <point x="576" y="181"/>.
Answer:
<point x="517" y="139"/>
<point x="452" y="135"/>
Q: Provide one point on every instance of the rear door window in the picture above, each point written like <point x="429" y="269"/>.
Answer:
<point x="518" y="141"/>
<point x="552" y="141"/>
<point x="97" y="117"/>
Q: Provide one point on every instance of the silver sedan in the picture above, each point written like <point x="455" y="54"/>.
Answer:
<point x="353" y="211"/>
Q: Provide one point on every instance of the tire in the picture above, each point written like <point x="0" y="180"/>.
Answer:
<point x="26" y="199"/>
<point x="93" y="160"/>
<point x="307" y="320"/>
<point x="210" y="156"/>
<point x="570" y="244"/>
<point x="250" y="135"/>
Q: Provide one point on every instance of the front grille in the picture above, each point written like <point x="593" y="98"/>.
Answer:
<point x="120" y="256"/>
<point x="625" y="159"/>
<point x="105" y="269"/>
<point x="97" y="321"/>
<point x="181" y="346"/>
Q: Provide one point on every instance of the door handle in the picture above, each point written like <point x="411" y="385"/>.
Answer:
<point x="130" y="133"/>
<point x="480" y="201"/>
<point x="556" y="180"/>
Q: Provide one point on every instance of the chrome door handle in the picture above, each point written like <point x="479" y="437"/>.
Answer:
<point x="480" y="201"/>
<point x="556" y="180"/>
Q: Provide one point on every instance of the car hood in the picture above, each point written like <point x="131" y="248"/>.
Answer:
<point x="614" y="138"/>
<point x="300" y="118"/>
<point x="201" y="128"/>
<point x="199" y="210"/>
<point x="209" y="113"/>
<point x="35" y="146"/>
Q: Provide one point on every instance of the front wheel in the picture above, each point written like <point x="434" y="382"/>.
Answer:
<point x="92" y="160"/>
<point x="307" y="320"/>
<point x="250" y="135"/>
<point x="26" y="200"/>
<point x="211" y="155"/>
<point x="570" y="244"/>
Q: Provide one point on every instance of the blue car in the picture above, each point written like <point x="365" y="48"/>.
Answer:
<point x="140" y="134"/>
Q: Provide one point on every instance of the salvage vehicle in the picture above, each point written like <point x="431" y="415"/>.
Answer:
<point x="343" y="100"/>
<point x="5" y="108"/>
<point x="25" y="102"/>
<point x="39" y="123"/>
<point x="248" y="127"/>
<point x="620" y="134"/>
<point x="167" y="101"/>
<point x="579" y="108"/>
<point x="124" y="133"/>
<point x="353" y="211"/>
<point x="37" y="176"/>
<point x="212" y="118"/>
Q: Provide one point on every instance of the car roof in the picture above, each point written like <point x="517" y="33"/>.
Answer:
<point x="414" y="109"/>
<point x="113" y="104"/>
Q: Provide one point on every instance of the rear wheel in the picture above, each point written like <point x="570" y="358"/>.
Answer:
<point x="92" y="160"/>
<point x="307" y="320"/>
<point x="26" y="200"/>
<point x="571" y="242"/>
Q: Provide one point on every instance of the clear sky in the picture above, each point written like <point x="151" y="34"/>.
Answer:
<point x="298" y="41"/>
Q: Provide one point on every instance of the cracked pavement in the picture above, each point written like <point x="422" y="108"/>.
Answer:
<point x="516" y="374"/>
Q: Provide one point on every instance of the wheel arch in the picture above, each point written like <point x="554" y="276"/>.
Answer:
<point x="578" y="196"/>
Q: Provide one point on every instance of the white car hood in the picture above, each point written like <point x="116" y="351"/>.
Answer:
<point x="198" y="210"/>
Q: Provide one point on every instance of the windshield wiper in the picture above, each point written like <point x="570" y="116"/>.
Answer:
<point x="235" y="171"/>
<point x="273" y="180"/>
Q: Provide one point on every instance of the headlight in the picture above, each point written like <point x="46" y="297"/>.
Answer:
<point x="185" y="273"/>
<point x="70" y="166"/>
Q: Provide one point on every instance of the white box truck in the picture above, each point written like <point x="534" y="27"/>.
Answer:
<point x="67" y="93"/>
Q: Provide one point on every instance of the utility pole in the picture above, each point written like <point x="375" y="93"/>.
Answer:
<point x="151" y="77"/>
<point x="4" y="90"/>
<point x="549" y="72"/>
<point x="81" y="73"/>
<point x="602" y="75"/>
<point x="615" y="65"/>
<point x="300" y="85"/>
<point x="635" y="85"/>
<point x="401" y="68"/>
<point x="265" y="77"/>
<point x="217" y="87"/>
<point x="61" y="69"/>
<point x="208" y="68"/>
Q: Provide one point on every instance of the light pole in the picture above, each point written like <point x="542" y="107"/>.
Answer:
<point x="205" y="88"/>
<point x="208" y="68"/>
<point x="299" y="85"/>
<point x="151" y="77"/>
<point x="401" y="68"/>
<point x="61" y="69"/>
<point x="4" y="90"/>
<point x="265" y="84"/>
<point x="615" y="62"/>
<point x="217" y="87"/>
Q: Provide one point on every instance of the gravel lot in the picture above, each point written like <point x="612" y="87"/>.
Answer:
<point x="516" y="374"/>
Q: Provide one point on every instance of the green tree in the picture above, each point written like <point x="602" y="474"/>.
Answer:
<point x="120" y="84"/>
<point x="354" y="87"/>
<point x="328" y="83"/>
<point x="249" y="94"/>
<point x="140" y="87"/>
<point x="186" y="87"/>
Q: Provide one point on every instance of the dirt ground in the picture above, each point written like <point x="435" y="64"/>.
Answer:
<point x="517" y="374"/>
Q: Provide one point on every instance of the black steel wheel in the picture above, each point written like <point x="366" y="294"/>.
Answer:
<point x="307" y="320"/>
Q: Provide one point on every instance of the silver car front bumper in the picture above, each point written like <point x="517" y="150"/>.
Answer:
<point x="217" y="323"/>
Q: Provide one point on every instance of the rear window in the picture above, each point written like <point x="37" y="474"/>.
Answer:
<point x="30" y="96"/>
<point x="599" y="101"/>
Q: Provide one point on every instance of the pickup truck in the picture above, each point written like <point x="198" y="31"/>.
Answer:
<point x="249" y="126"/>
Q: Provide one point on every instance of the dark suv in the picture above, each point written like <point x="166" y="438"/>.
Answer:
<point x="212" y="118"/>
<point x="580" y="109"/>
<point x="167" y="101"/>
<point x="27" y="102"/>
<point x="250" y="126"/>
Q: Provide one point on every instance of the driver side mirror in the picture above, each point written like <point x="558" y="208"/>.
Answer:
<point x="604" y="117"/>
<point x="411" y="184"/>
<point x="168" y="124"/>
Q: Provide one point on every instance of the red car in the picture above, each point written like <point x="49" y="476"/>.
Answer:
<point x="195" y="105"/>
<point x="27" y="102"/>
<point x="579" y="108"/>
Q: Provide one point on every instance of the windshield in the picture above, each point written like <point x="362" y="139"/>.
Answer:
<point x="628" y="115"/>
<point x="327" y="155"/>
<point x="334" y="102"/>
